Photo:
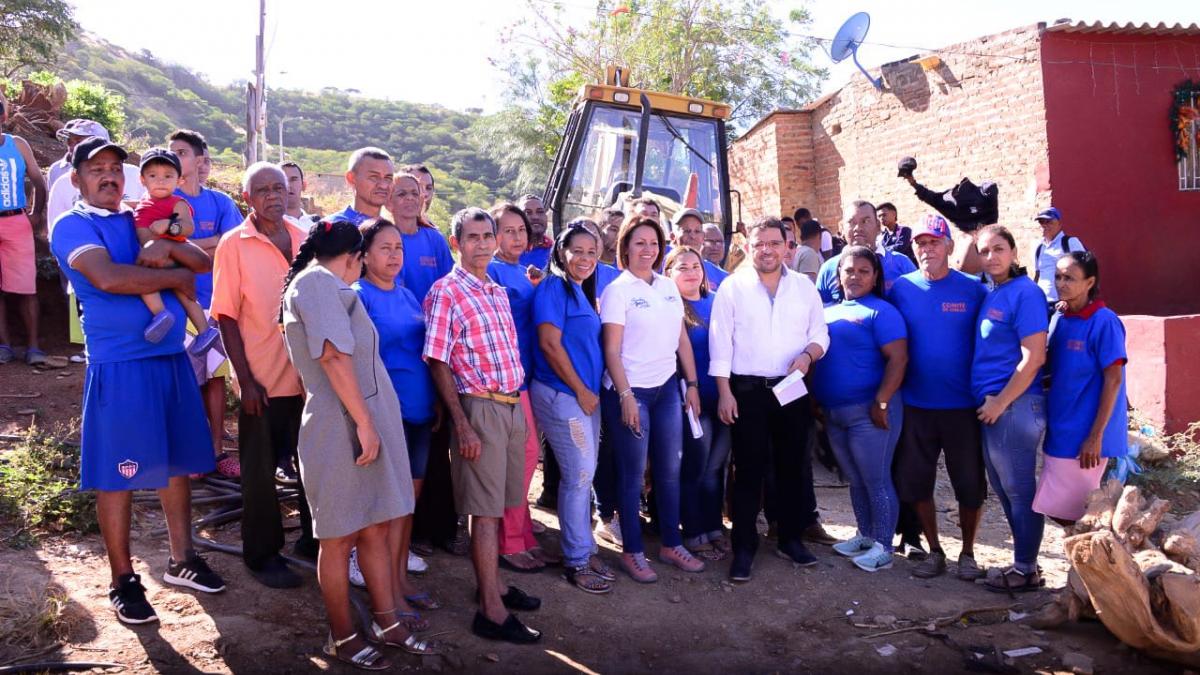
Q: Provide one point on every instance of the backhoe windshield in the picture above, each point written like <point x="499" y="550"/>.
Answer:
<point x="682" y="164"/>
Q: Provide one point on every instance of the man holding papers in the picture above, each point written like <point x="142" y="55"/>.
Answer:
<point x="767" y="323"/>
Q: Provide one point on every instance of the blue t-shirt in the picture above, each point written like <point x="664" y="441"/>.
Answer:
<point x="1081" y="347"/>
<point x="850" y="372"/>
<point x="520" y="299"/>
<point x="538" y="257"/>
<point x="895" y="265"/>
<point x="348" y="213"/>
<point x="401" y="325"/>
<point x="715" y="275"/>
<point x="580" y="326"/>
<point x="426" y="259"/>
<point x="1010" y="313"/>
<point x="698" y="336"/>
<point x="112" y="323"/>
<point x="214" y="213"/>
<point x="940" y="317"/>
<point x="605" y="275"/>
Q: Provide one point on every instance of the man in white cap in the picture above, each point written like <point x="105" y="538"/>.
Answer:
<point x="63" y="194"/>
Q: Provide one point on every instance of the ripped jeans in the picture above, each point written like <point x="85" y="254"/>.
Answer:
<point x="575" y="438"/>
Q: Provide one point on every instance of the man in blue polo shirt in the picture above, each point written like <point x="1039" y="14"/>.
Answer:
<point x="862" y="229"/>
<point x="939" y="306"/>
<point x="369" y="174"/>
<point x="129" y="378"/>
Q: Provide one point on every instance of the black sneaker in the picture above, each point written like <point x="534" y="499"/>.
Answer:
<point x="512" y="630"/>
<point x="796" y="552"/>
<point x="739" y="569"/>
<point x="276" y="574"/>
<point x="193" y="573"/>
<point x="286" y="475"/>
<point x="129" y="601"/>
<point x="913" y="550"/>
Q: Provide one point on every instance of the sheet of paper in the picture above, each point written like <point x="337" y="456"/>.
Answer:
<point x="697" y="430"/>
<point x="790" y="388"/>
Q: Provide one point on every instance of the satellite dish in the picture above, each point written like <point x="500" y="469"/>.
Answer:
<point x="846" y="43"/>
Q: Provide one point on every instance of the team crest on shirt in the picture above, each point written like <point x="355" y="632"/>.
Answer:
<point x="128" y="468"/>
<point x="995" y="314"/>
<point x="955" y="307"/>
<point x="1076" y="345"/>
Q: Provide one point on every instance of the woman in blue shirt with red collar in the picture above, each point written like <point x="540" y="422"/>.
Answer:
<point x="1086" y="405"/>
<point x="1010" y="349"/>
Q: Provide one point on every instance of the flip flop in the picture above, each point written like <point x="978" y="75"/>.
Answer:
<point x="35" y="357"/>
<point x="423" y="601"/>
<point x="6" y="354"/>
<point x="506" y="564"/>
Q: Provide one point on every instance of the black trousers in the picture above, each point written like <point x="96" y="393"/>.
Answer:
<point x="262" y="440"/>
<point x="551" y="474"/>
<point x="769" y="435"/>
<point x="435" y="519"/>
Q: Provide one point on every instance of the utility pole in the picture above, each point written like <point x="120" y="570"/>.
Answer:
<point x="282" y="119"/>
<point x="256" y="92"/>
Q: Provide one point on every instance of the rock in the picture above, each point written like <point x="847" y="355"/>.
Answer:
<point x="676" y="599"/>
<point x="886" y="650"/>
<point x="494" y="658"/>
<point x="1078" y="663"/>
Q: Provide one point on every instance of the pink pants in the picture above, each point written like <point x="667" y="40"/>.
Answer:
<point x="517" y="526"/>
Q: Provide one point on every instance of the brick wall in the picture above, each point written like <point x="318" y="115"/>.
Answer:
<point x="980" y="115"/>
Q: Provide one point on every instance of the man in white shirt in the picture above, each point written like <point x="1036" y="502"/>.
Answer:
<point x="1055" y="244"/>
<point x="295" y="193"/>
<point x="767" y="322"/>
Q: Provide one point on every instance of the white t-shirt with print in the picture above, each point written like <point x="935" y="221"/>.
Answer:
<point x="652" y="315"/>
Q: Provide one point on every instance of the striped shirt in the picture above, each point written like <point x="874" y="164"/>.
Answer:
<point x="12" y="175"/>
<point x="470" y="327"/>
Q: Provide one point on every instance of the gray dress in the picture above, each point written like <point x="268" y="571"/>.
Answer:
<point x="343" y="497"/>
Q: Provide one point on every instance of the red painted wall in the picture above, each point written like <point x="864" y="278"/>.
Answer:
<point x="1112" y="166"/>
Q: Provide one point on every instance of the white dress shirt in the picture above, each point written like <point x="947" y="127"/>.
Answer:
<point x="751" y="334"/>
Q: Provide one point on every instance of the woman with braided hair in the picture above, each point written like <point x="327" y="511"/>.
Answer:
<point x="353" y="455"/>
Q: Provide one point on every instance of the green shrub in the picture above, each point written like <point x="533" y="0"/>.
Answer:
<point x="94" y="102"/>
<point x="39" y="487"/>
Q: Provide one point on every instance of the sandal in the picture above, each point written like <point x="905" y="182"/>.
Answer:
<point x="410" y="644"/>
<point x="1013" y="580"/>
<point x="585" y="579"/>
<point x="6" y="354"/>
<point x="545" y="557"/>
<point x="367" y="658"/>
<point x="602" y="569"/>
<point x="35" y="357"/>
<point x="507" y="561"/>
<point x="413" y="621"/>
<point x="229" y="466"/>
<point x="721" y="543"/>
<point x="423" y="601"/>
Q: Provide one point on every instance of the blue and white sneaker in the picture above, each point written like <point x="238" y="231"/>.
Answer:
<point x="355" y="572"/>
<point x="874" y="560"/>
<point x="855" y="546"/>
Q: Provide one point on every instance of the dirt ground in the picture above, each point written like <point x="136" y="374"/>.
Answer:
<point x="787" y="619"/>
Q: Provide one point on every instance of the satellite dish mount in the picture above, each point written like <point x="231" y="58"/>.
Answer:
<point x="846" y="42"/>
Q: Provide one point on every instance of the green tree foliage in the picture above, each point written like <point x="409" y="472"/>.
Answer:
<point x="92" y="101"/>
<point x="735" y="51"/>
<point x="32" y="32"/>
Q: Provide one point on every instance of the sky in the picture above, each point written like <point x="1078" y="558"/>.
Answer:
<point x="438" y="52"/>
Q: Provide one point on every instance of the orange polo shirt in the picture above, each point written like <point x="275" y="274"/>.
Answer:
<point x="248" y="273"/>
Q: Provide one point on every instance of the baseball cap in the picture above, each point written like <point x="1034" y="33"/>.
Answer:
<point x="90" y="147"/>
<point x="1048" y="214"/>
<point x="684" y="214"/>
<point x="933" y="225"/>
<point x="161" y="155"/>
<point x="82" y="127"/>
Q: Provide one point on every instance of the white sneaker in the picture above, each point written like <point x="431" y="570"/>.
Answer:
<point x="855" y="546"/>
<point x="417" y="564"/>
<point x="610" y="531"/>
<point x="874" y="560"/>
<point x="356" y="577"/>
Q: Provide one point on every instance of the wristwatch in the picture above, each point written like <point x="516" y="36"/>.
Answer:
<point x="882" y="405"/>
<point x="173" y="227"/>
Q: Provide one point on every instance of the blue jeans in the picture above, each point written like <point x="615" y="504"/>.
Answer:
<point x="659" y="410"/>
<point x="574" y="437"/>
<point x="702" y="474"/>
<point x="1010" y="450"/>
<point x="419" y="437"/>
<point x="605" y="481"/>
<point x="865" y="452"/>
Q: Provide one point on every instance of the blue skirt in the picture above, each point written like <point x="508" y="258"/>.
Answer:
<point x="143" y="422"/>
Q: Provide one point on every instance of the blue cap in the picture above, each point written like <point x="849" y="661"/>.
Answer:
<point x="1048" y="214"/>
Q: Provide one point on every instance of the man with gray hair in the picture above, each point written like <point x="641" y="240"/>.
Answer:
<point x="862" y="229"/>
<point x="249" y="268"/>
<point x="369" y="173"/>
<point x="471" y="349"/>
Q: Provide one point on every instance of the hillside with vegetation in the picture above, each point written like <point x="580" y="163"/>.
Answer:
<point x="322" y="127"/>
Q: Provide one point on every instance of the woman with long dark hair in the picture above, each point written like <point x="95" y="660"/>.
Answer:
<point x="702" y="469"/>
<point x="857" y="385"/>
<point x="401" y="326"/>
<point x="1086" y="405"/>
<point x="644" y="339"/>
<point x="565" y="391"/>
<point x="353" y="456"/>
<point x="1010" y="349"/>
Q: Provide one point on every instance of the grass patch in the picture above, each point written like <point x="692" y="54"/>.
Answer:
<point x="1180" y="470"/>
<point x="32" y="619"/>
<point x="39" y="487"/>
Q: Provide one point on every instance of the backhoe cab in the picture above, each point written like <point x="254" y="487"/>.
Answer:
<point x="622" y="142"/>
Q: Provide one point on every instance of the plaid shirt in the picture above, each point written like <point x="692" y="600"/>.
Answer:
<point x="470" y="327"/>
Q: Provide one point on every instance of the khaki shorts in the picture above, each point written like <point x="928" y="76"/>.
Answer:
<point x="495" y="479"/>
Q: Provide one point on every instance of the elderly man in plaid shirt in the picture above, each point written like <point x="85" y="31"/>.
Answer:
<point x="471" y="349"/>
